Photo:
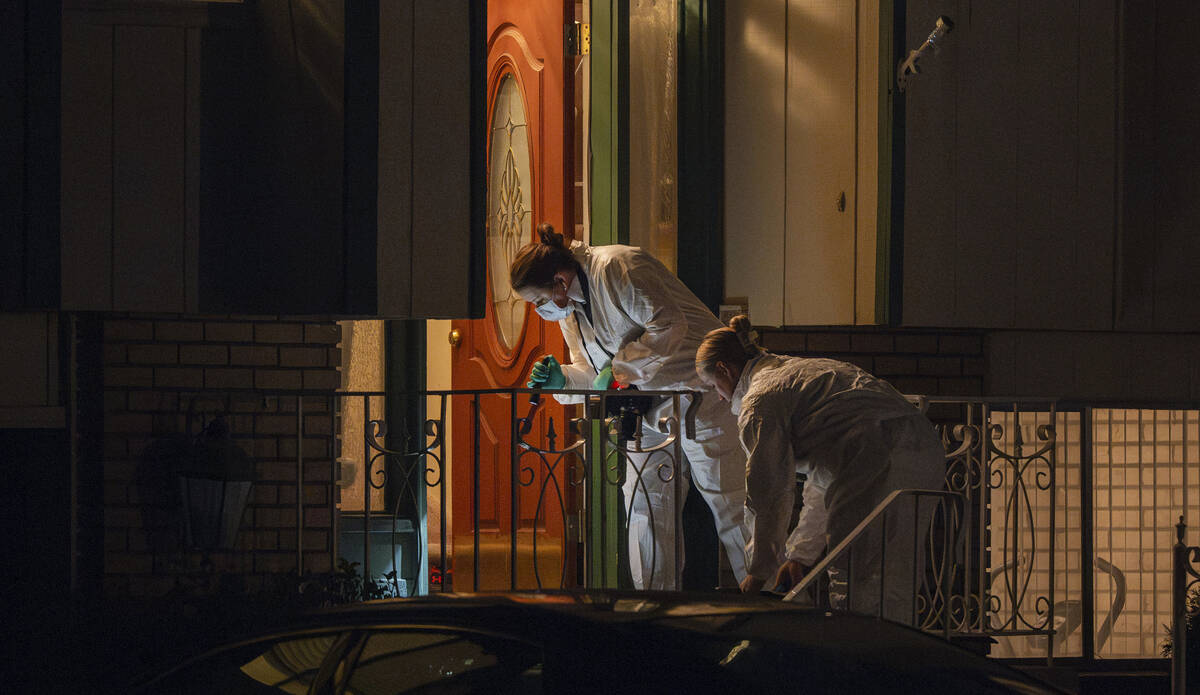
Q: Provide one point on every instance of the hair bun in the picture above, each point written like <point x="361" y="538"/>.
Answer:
<point x="746" y="335"/>
<point x="548" y="236"/>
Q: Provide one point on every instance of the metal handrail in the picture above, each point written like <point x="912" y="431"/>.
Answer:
<point x="843" y="547"/>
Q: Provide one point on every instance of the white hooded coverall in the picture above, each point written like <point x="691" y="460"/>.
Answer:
<point x="858" y="440"/>
<point x="649" y="325"/>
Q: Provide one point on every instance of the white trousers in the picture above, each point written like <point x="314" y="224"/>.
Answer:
<point x="905" y="455"/>
<point x="715" y="461"/>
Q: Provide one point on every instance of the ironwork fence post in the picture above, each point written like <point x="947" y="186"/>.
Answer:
<point x="1179" y="612"/>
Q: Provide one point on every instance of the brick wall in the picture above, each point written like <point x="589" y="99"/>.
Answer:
<point x="930" y="363"/>
<point x="153" y="367"/>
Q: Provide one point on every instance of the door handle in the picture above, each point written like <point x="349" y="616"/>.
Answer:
<point x="455" y="337"/>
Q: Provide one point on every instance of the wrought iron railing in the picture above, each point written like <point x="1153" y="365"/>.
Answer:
<point x="542" y="500"/>
<point x="1185" y="605"/>
<point x="986" y="560"/>
<point x="368" y="477"/>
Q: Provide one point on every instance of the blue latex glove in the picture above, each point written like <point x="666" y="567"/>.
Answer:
<point x="546" y="374"/>
<point x="603" y="380"/>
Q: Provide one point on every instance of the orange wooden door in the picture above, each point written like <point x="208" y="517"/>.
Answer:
<point x="529" y="181"/>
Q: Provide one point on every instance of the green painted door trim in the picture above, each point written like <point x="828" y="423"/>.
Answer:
<point x="609" y="128"/>
<point x="610" y="122"/>
<point x="701" y="149"/>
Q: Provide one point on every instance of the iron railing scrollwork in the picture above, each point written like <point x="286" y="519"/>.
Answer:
<point x="1001" y="458"/>
<point x="1185" y="604"/>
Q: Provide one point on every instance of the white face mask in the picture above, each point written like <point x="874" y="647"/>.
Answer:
<point x="553" y="312"/>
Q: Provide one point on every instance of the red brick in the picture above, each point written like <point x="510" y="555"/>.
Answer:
<point x="318" y="561"/>
<point x="158" y="353"/>
<point x="785" y="341"/>
<point x="114" y="353"/>
<point x="277" y="379"/>
<point x="960" y="344"/>
<point x="264" y="539"/>
<point x="153" y="401"/>
<point x="276" y="470"/>
<point x="317" y="424"/>
<point x="115" y="540"/>
<point x="916" y="386"/>
<point x="828" y="342"/>
<point x="872" y="342"/>
<point x="302" y="356"/>
<point x="314" y="448"/>
<point x="203" y="354"/>
<point x="278" y="333"/>
<point x="265" y="494"/>
<point x="115" y="448"/>
<point x="122" y="517"/>
<point x="179" y="377"/>
<point x="263" y="447"/>
<point x="275" y="424"/>
<point x="114" y="494"/>
<point x="115" y="400"/>
<point x="312" y="403"/>
<point x="316" y="517"/>
<point x="132" y="423"/>
<point x="960" y="386"/>
<point x="287" y="539"/>
<point x="275" y="517"/>
<point x="229" y="332"/>
<point x="128" y="376"/>
<point x="275" y="562"/>
<point x="917" y="343"/>
<point x="137" y="541"/>
<point x="316" y="539"/>
<point x="334" y="357"/>
<point x="864" y="362"/>
<point x="974" y="366"/>
<point x="128" y="330"/>
<point x="887" y="366"/>
<point x="179" y="331"/>
<point x="321" y="379"/>
<point x="116" y="586"/>
<point x="119" y="471"/>
<point x="327" y="333"/>
<point x="316" y="494"/>
<point x="220" y="378"/>
<point x="939" y="366"/>
<point x="254" y="355"/>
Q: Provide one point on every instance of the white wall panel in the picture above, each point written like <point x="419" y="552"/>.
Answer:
<point x="755" y="55"/>
<point x="820" y="169"/>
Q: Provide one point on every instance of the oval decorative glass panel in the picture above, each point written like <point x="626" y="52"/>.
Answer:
<point x="510" y="217"/>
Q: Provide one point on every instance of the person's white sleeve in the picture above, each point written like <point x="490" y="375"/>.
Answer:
<point x="807" y="541"/>
<point x="770" y="491"/>
<point x="652" y="301"/>
<point x="579" y="373"/>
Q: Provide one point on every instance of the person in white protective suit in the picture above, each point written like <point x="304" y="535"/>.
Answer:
<point x="626" y="318"/>
<point x="855" y="437"/>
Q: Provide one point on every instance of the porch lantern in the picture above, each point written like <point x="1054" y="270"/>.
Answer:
<point x="214" y="486"/>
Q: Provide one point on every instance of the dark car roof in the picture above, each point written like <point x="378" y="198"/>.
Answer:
<point x="717" y="641"/>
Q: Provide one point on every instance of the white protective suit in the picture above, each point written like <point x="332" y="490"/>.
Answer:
<point x="858" y="440"/>
<point x="649" y="325"/>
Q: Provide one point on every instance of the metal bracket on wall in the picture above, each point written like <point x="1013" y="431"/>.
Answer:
<point x="909" y="67"/>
